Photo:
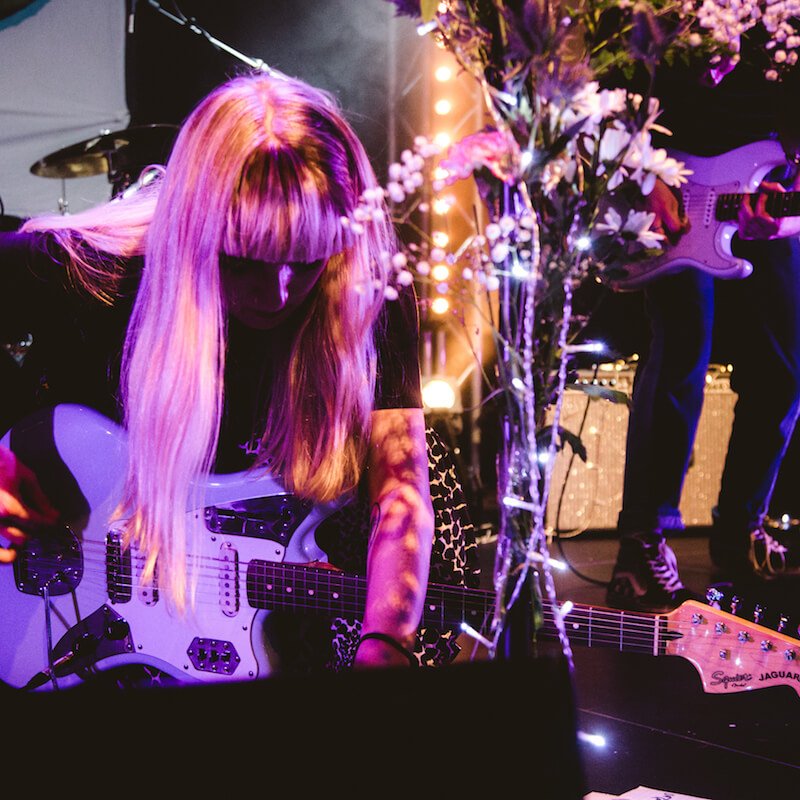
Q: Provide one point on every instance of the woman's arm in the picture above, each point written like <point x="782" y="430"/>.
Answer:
<point x="401" y="534"/>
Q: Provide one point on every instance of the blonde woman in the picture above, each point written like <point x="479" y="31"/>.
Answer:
<point x="252" y="333"/>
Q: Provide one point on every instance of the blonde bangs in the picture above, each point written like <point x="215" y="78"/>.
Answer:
<point x="284" y="211"/>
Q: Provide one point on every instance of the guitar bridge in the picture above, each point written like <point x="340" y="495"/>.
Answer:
<point x="53" y="562"/>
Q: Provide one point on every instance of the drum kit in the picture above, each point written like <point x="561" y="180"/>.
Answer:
<point x="122" y="155"/>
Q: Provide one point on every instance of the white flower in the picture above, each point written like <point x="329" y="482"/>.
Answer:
<point x="493" y="231"/>
<point x="636" y="224"/>
<point x="615" y="139"/>
<point x="648" y="163"/>
<point x="507" y="224"/>
<point x="405" y="278"/>
<point x="395" y="191"/>
<point x="499" y="252"/>
<point x="612" y="224"/>
<point x="639" y="222"/>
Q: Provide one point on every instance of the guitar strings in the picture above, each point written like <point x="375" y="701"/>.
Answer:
<point x="589" y="623"/>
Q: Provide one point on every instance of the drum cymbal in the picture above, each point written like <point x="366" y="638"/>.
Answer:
<point x="139" y="146"/>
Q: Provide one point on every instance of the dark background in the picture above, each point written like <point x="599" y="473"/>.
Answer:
<point x="338" y="45"/>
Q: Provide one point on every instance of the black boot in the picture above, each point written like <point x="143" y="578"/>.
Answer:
<point x="765" y="552"/>
<point x="645" y="577"/>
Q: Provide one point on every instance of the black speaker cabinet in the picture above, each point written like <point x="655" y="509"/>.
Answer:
<point x="476" y="727"/>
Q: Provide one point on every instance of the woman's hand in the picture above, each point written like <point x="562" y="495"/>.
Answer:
<point x="20" y="497"/>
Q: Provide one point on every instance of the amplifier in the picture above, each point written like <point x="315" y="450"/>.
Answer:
<point x="588" y="495"/>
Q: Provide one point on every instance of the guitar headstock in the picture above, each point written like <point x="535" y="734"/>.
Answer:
<point x="732" y="654"/>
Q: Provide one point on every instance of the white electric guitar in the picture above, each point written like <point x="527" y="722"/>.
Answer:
<point x="712" y="198"/>
<point x="101" y="615"/>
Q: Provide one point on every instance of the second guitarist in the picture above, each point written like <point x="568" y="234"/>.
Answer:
<point x="696" y="319"/>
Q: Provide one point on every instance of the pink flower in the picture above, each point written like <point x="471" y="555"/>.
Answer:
<point x="495" y="150"/>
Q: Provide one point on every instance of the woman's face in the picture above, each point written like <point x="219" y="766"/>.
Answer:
<point x="262" y="295"/>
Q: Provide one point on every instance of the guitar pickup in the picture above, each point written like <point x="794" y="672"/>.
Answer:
<point x="119" y="575"/>
<point x="213" y="655"/>
<point x="229" y="600"/>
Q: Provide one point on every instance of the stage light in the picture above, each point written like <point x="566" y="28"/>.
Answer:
<point x="441" y="305"/>
<point x="439" y="394"/>
<point x="443" y="107"/>
<point x="442" y="139"/>
<point x="440" y="239"/>
<point x="441" y="272"/>
<point x="441" y="205"/>
<point x="443" y="73"/>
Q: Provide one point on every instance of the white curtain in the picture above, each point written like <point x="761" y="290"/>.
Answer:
<point x="62" y="81"/>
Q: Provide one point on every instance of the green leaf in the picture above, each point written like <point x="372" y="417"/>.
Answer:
<point x="567" y="437"/>
<point x="428" y="9"/>
<point x="596" y="392"/>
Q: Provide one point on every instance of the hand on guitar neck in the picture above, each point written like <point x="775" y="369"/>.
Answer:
<point x="756" y="221"/>
<point x="23" y="504"/>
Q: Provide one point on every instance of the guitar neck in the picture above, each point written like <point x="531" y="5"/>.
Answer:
<point x="296" y="587"/>
<point x="626" y="631"/>
<point x="779" y="204"/>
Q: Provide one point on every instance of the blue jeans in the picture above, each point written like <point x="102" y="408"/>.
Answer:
<point x="670" y="379"/>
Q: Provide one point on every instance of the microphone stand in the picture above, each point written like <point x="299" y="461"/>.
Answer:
<point x="191" y="24"/>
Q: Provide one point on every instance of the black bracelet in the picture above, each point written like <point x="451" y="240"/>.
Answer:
<point x="392" y="642"/>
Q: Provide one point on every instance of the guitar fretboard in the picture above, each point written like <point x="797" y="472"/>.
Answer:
<point x="779" y="204"/>
<point x="296" y="587"/>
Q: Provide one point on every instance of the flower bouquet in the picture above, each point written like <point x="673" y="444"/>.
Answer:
<point x="564" y="167"/>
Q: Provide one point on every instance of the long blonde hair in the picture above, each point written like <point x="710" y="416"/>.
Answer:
<point x="264" y="168"/>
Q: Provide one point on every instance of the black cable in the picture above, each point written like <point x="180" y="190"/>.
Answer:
<point x="557" y="533"/>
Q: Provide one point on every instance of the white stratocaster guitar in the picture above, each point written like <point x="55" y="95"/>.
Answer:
<point x="712" y="198"/>
<point x="101" y="616"/>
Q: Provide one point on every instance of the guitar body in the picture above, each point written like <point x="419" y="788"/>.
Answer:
<point x="707" y="244"/>
<point x="255" y="542"/>
<point x="98" y="601"/>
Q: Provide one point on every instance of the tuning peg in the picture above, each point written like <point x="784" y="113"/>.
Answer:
<point x="758" y="613"/>
<point x="735" y="603"/>
<point x="782" y="622"/>
<point x="713" y="596"/>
